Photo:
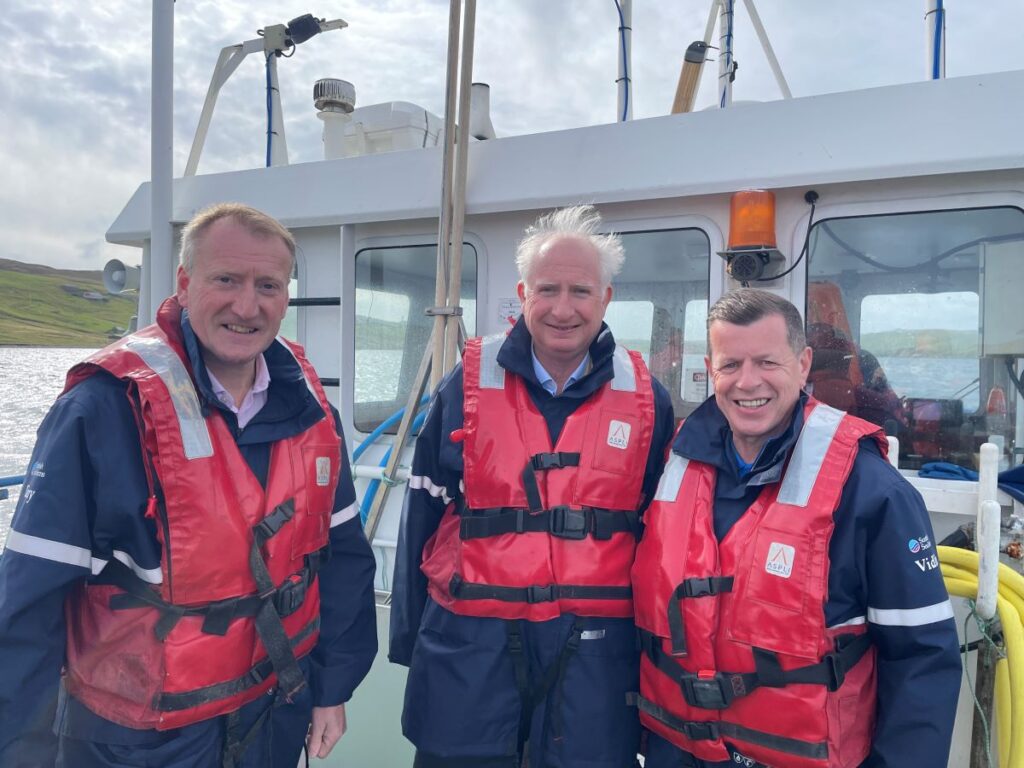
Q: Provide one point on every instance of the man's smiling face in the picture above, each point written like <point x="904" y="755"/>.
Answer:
<point x="757" y="379"/>
<point x="564" y="301"/>
<point x="236" y="295"/>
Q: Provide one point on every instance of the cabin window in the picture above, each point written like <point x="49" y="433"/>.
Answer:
<point x="915" y="324"/>
<point x="659" y="308"/>
<point x="290" y="324"/>
<point x="393" y="285"/>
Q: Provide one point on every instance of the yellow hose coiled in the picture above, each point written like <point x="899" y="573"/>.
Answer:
<point x="960" y="571"/>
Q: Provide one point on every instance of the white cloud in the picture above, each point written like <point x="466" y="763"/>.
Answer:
<point x="76" y="89"/>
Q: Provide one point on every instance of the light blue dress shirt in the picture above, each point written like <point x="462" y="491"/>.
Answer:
<point x="547" y="381"/>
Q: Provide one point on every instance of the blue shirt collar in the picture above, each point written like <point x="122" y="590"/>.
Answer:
<point x="546" y="380"/>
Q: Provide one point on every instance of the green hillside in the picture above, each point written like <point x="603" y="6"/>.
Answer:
<point x="40" y="307"/>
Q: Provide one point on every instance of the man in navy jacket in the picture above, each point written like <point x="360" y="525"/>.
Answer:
<point x="881" y="577"/>
<point x="84" y="503"/>
<point x="479" y="686"/>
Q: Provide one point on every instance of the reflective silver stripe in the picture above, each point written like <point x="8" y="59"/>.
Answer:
<point x="421" y="483"/>
<point x="492" y="375"/>
<point x="625" y="376"/>
<point x="148" y="575"/>
<point x="343" y="515"/>
<point x="47" y="549"/>
<point x="671" y="478"/>
<point x="195" y="437"/>
<point x="856" y="621"/>
<point x="911" y="617"/>
<point x="809" y="454"/>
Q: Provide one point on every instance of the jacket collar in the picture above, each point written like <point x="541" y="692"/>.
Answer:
<point x="706" y="437"/>
<point x="516" y="356"/>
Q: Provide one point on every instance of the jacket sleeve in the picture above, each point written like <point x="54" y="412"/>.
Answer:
<point x="888" y="574"/>
<point x="82" y="502"/>
<point x="348" y="620"/>
<point x="434" y="482"/>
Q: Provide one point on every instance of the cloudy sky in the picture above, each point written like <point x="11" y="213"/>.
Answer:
<point x="75" y="90"/>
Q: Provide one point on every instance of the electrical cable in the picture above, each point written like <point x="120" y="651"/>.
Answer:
<point x="812" y="198"/>
<point x="625" y="61"/>
<point x="916" y="267"/>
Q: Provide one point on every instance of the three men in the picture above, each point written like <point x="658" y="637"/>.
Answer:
<point x="512" y="605"/>
<point x="783" y="618"/>
<point x="187" y="541"/>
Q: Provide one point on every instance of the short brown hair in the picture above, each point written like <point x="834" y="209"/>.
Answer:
<point x="255" y="221"/>
<point x="745" y="306"/>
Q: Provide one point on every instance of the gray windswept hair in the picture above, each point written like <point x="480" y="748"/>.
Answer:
<point x="745" y="306"/>
<point x="255" y="222"/>
<point x="580" y="221"/>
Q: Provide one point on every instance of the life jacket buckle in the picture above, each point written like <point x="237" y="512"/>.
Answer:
<point x="567" y="523"/>
<point x="836" y="672"/>
<point x="701" y="731"/>
<point x="537" y="594"/>
<point x="708" y="690"/>
<point x="290" y="596"/>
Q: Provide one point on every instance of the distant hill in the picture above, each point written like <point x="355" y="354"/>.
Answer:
<point x="45" y="307"/>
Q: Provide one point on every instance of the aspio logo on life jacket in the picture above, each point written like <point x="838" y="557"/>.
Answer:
<point x="780" y="559"/>
<point x="618" y="434"/>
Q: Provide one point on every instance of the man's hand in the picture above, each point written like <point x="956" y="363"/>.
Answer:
<point x="327" y="728"/>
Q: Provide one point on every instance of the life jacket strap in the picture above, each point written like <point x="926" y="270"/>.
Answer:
<point x="288" y="597"/>
<point x="175" y="702"/>
<point x="562" y="522"/>
<point x="713" y="730"/>
<point x="465" y="590"/>
<point x="712" y="689"/>
<point x="554" y="676"/>
<point x="543" y="462"/>
<point x="692" y="587"/>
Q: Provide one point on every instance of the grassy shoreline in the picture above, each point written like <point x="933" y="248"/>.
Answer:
<point x="45" y="307"/>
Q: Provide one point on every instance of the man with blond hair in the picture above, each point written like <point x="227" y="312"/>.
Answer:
<point x="186" y="582"/>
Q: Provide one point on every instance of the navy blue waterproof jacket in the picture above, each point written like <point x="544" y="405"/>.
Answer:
<point x="437" y="464"/>
<point x="883" y="568"/>
<point x="83" y="503"/>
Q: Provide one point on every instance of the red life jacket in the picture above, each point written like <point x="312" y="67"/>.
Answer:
<point x="238" y="561"/>
<point x="735" y="644"/>
<point x="543" y="529"/>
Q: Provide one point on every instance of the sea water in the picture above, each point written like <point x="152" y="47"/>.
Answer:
<point x="30" y="380"/>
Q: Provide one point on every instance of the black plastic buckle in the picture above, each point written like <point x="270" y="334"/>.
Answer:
<point x="697" y="587"/>
<point x="836" y="673"/>
<point x="707" y="693"/>
<point x="566" y="523"/>
<point x="542" y="461"/>
<point x="697" y="731"/>
<point x="537" y="594"/>
<point x="264" y="531"/>
<point x="290" y="596"/>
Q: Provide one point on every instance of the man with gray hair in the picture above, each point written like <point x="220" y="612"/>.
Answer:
<point x="186" y="583"/>
<point x="789" y="602"/>
<point x="511" y="604"/>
